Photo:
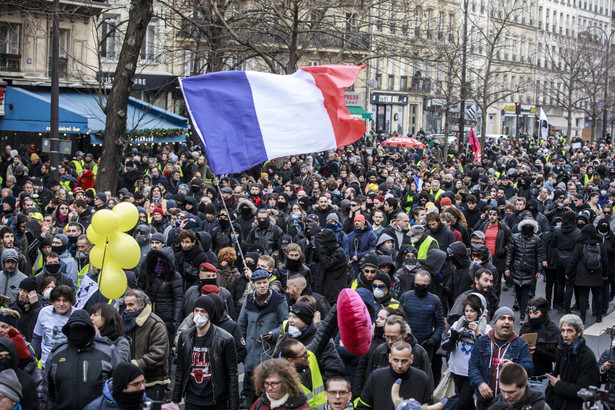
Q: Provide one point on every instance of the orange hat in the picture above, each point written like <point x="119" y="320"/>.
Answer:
<point x="359" y="217"/>
<point x="446" y="201"/>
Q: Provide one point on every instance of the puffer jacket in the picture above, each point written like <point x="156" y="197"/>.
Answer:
<point x="39" y="379"/>
<point x="330" y="276"/>
<point x="425" y="315"/>
<point x="255" y="321"/>
<point x="165" y="288"/>
<point x="150" y="347"/>
<point x="525" y="255"/>
<point x="225" y="383"/>
<point x="563" y="242"/>
<point x="28" y="384"/>
<point x="76" y="375"/>
<point x="106" y="401"/>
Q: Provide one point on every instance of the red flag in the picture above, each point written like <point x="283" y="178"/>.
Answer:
<point x="474" y="145"/>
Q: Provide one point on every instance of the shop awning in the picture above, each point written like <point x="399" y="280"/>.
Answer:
<point x="358" y="112"/>
<point x="80" y="113"/>
<point x="559" y="123"/>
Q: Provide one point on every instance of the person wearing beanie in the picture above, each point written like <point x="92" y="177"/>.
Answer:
<point x="100" y="201"/>
<point x="125" y="390"/>
<point x="30" y="303"/>
<point x="562" y="244"/>
<point x="206" y="374"/>
<point x="159" y="221"/>
<point x="59" y="245"/>
<point x="208" y="276"/>
<point x="500" y="346"/>
<point x="10" y="388"/>
<point x="363" y="240"/>
<point x="381" y="286"/>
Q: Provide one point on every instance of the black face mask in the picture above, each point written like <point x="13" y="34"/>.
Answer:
<point x="80" y="336"/>
<point x="53" y="268"/>
<point x="129" y="400"/>
<point x="527" y="230"/>
<point x="304" y="205"/>
<point x="246" y="211"/>
<point x="251" y="266"/>
<point x="282" y="205"/>
<point x="195" y="188"/>
<point x="210" y="281"/>
<point x="379" y="332"/>
<point x="263" y="224"/>
<point x="59" y="249"/>
<point x="73" y="239"/>
<point x="224" y="223"/>
<point x="421" y="291"/>
<point x="5" y="363"/>
<point x="293" y="264"/>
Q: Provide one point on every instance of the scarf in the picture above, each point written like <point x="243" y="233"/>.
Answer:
<point x="130" y="319"/>
<point x="274" y="404"/>
<point x="567" y="350"/>
<point x="262" y="303"/>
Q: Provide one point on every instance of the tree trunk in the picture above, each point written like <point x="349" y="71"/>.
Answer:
<point x="141" y="12"/>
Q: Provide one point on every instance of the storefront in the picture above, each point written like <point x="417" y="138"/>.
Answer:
<point x="388" y="110"/>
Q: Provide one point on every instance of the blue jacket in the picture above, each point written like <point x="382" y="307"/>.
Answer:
<point x="479" y="370"/>
<point x="106" y="401"/>
<point x="424" y="326"/>
<point x="366" y="239"/>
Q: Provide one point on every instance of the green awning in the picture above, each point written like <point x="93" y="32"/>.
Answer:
<point x="358" y="112"/>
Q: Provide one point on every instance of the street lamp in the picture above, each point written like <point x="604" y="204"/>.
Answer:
<point x="606" y="77"/>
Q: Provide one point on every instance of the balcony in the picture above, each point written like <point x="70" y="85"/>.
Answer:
<point x="10" y="62"/>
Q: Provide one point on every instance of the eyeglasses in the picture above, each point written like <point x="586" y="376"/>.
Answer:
<point x="381" y="287"/>
<point x="339" y="393"/>
<point x="370" y="271"/>
<point x="305" y="355"/>
<point x="273" y="385"/>
<point x="608" y="213"/>
<point x="393" y="338"/>
<point x="532" y="308"/>
<point x="493" y="212"/>
<point x="449" y="250"/>
<point x="421" y="285"/>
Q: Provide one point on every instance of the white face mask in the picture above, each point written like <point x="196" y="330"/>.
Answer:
<point x="47" y="293"/>
<point x="200" y="320"/>
<point x="477" y="260"/>
<point x="294" y="331"/>
<point x="414" y="239"/>
<point x="603" y="192"/>
<point x="378" y="293"/>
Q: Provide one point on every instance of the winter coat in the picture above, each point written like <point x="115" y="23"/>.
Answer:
<point x="72" y="269"/>
<point x="415" y="386"/>
<point x="443" y="235"/>
<point x="425" y="315"/>
<point x="165" y="290"/>
<point x="361" y="242"/>
<point x="223" y="358"/>
<point x="576" y="370"/>
<point x="28" y="318"/>
<point x="226" y="276"/>
<point x="493" y="303"/>
<point x="563" y="242"/>
<point x="459" y="279"/>
<point x="481" y="361"/>
<point x="76" y="375"/>
<point x="285" y="272"/>
<point x="28" y="385"/>
<point x="292" y="403"/>
<point x="459" y="341"/>
<point x="38" y="377"/>
<point x="9" y="283"/>
<point x="524" y="255"/>
<point x="194" y="292"/>
<point x="548" y="337"/>
<point x="608" y="377"/>
<point x="531" y="400"/>
<point x="255" y="321"/>
<point x="150" y="347"/>
<point x="330" y="275"/>
<point x="502" y="238"/>
<point x="269" y="238"/>
<point x="578" y="270"/>
<point x="188" y="263"/>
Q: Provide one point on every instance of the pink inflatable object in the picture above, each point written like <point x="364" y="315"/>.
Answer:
<point x="354" y="322"/>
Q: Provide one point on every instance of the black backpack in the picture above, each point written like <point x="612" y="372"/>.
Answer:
<point x="591" y="253"/>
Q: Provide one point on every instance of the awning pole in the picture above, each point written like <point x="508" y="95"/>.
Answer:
<point x="54" y="136"/>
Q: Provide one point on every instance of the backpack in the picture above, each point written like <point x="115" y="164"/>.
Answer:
<point x="591" y="254"/>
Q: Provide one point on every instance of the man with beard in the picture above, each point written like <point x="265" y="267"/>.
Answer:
<point x="190" y="258"/>
<point x="323" y="209"/>
<point x="414" y="382"/>
<point x="82" y="256"/>
<point x="440" y="232"/>
<point x="483" y="285"/>
<point x="52" y="268"/>
<point x="498" y="348"/>
<point x="84" y="213"/>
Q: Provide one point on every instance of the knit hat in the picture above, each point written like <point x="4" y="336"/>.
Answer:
<point x="10" y="201"/>
<point x="333" y="217"/>
<point x="570" y="217"/>
<point x="157" y="237"/>
<point x="381" y="276"/>
<point x="158" y="210"/>
<point x="446" y="201"/>
<point x="20" y="344"/>
<point x="208" y="267"/>
<point x="102" y="196"/>
<point x="63" y="238"/>
<point x="10" y="386"/>
<point x="90" y="193"/>
<point x="359" y="217"/>
<point x="370" y="260"/>
<point x="28" y="284"/>
<point x="379" y="197"/>
<point x="131" y="279"/>
<point x="34" y="157"/>
<point x="124" y="373"/>
<point x="504" y="310"/>
<point x="7" y="316"/>
<point x="171" y="204"/>
<point x="304" y="312"/>
<point x="209" y="305"/>
<point x="209" y="209"/>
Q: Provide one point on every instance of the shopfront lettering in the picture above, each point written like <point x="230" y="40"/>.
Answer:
<point x="62" y="128"/>
<point x="389" y="99"/>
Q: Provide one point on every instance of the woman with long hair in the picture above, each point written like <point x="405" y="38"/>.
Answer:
<point x="61" y="215"/>
<point x="109" y="324"/>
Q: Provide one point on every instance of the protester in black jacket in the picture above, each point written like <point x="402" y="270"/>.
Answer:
<point x="330" y="276"/>
<point x="562" y="243"/>
<point x="28" y="388"/>
<point x="543" y="354"/>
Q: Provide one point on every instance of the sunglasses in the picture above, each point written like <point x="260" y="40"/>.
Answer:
<point x="381" y="287"/>
<point x="421" y="285"/>
<point x="370" y="271"/>
<point x="532" y="308"/>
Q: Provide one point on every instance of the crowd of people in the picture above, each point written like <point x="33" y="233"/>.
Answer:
<point x="233" y="302"/>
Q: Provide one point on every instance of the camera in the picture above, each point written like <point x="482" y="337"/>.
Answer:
<point x="593" y="394"/>
<point x="610" y="331"/>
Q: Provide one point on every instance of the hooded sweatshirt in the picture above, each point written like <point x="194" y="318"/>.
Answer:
<point x="9" y="282"/>
<point x="28" y="388"/>
<point x="498" y="352"/>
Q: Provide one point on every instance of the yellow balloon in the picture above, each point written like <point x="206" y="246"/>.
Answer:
<point x="127" y="216"/>
<point x="112" y="283"/>
<point x="98" y="257"/>
<point x="104" y="222"/>
<point x="94" y="237"/>
<point x="124" y="250"/>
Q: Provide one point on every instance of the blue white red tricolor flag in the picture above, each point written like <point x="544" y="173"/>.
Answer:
<point x="475" y="145"/>
<point x="245" y="118"/>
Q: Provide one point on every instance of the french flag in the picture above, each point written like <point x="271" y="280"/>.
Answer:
<point x="245" y="118"/>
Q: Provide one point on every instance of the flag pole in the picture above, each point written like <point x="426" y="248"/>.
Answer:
<point x="238" y="242"/>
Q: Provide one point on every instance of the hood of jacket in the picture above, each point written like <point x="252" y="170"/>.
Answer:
<point x="434" y="262"/>
<point x="528" y="221"/>
<point x="368" y="299"/>
<point x="34" y="228"/>
<point x="384" y="260"/>
<point x="383" y="238"/>
<point x="460" y="253"/>
<point x="150" y="264"/>
<point x="79" y="317"/>
<point x="7" y="344"/>
<point x="483" y="251"/>
<point x="248" y="203"/>
<point x="327" y="238"/>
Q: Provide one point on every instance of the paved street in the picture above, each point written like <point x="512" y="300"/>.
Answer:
<point x="595" y="334"/>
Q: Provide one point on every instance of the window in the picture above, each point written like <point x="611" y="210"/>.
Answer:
<point x="417" y="23"/>
<point x="429" y="13"/>
<point x="403" y="83"/>
<point x="441" y="26"/>
<point x="63" y="63"/>
<point x="148" y="49"/>
<point x="378" y="80"/>
<point x="391" y="82"/>
<point x="10" y="55"/>
<point x="109" y="38"/>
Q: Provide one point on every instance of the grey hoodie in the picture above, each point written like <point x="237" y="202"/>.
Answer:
<point x="9" y="283"/>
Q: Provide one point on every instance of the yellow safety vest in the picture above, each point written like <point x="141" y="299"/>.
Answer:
<point x="316" y="396"/>
<point x="65" y="185"/>
<point x="355" y="284"/>
<point x="78" y="165"/>
<point x="437" y="194"/>
<point x="393" y="304"/>
<point x="37" y="268"/>
<point x="82" y="273"/>
<point x="425" y="247"/>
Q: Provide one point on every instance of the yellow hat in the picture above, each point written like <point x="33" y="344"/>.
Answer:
<point x="34" y="157"/>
